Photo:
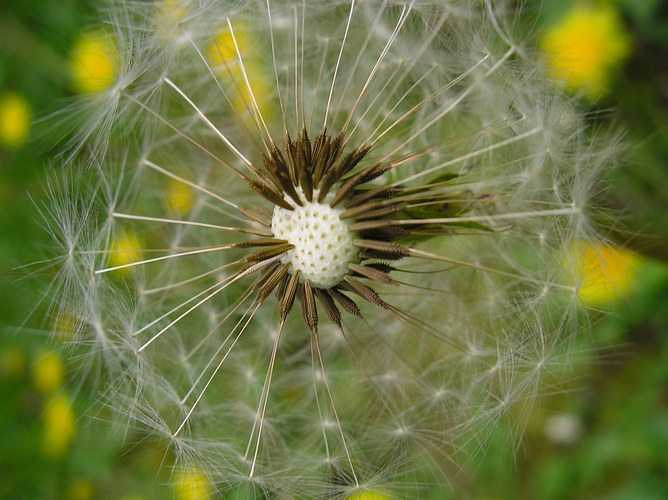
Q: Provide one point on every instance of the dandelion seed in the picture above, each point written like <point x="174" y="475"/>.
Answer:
<point x="369" y="276"/>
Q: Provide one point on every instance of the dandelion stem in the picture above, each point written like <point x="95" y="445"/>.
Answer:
<point x="164" y="257"/>
<point x="314" y="334"/>
<point x="220" y="348"/>
<point x="222" y="90"/>
<point x="248" y="85"/>
<point x="190" y="223"/>
<point x="418" y="106"/>
<point x="186" y="302"/>
<point x="220" y="364"/>
<point x="230" y="310"/>
<point x="361" y="226"/>
<point x="273" y="59"/>
<point x="402" y="18"/>
<point x="208" y="122"/>
<point x="398" y="81"/>
<point x="215" y="270"/>
<point x="472" y="154"/>
<point x="193" y="185"/>
<point x="230" y="280"/>
<point x="453" y="104"/>
<point x="262" y="408"/>
<point x="184" y="135"/>
<point x="420" y="253"/>
<point x="316" y="87"/>
<point x="296" y="67"/>
<point x="352" y="70"/>
<point x="338" y="63"/>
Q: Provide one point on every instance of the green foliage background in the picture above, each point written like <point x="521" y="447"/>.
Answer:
<point x="620" y="394"/>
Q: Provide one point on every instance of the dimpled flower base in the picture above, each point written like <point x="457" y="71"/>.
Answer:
<point x="323" y="245"/>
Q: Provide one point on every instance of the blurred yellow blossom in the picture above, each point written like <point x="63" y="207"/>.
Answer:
<point x="93" y="62"/>
<point x="14" y="119"/>
<point x="12" y="362"/>
<point x="223" y="51"/>
<point x="585" y="47"/>
<point x="169" y="15"/>
<point x="64" y="326"/>
<point x="125" y="249"/>
<point x="231" y="60"/>
<point x="604" y="273"/>
<point x="47" y="372"/>
<point x="80" y="489"/>
<point x="171" y="12"/>
<point x="367" y="495"/>
<point x="59" y="426"/>
<point x="179" y="197"/>
<point x="191" y="484"/>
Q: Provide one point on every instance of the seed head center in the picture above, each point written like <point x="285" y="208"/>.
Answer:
<point x="323" y="245"/>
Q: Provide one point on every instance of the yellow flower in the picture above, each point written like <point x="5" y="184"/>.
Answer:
<point x="171" y="12"/>
<point x="93" y="62"/>
<point x="59" y="426"/>
<point x="179" y="197"/>
<point x="223" y="56"/>
<point x="367" y="495"/>
<point x="125" y="249"/>
<point x="192" y="485"/>
<point x="169" y="15"/>
<point x="604" y="274"/>
<point x="14" y="119"/>
<point x="47" y="373"/>
<point x="223" y="52"/>
<point x="585" y="47"/>
<point x="64" y="326"/>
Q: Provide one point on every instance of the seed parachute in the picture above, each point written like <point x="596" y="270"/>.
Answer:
<point x="318" y="247"/>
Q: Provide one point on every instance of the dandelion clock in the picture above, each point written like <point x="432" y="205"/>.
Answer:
<point x="318" y="247"/>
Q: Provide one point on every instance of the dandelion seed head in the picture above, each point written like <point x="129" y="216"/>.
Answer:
<point x="323" y="245"/>
<point x="317" y="247"/>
